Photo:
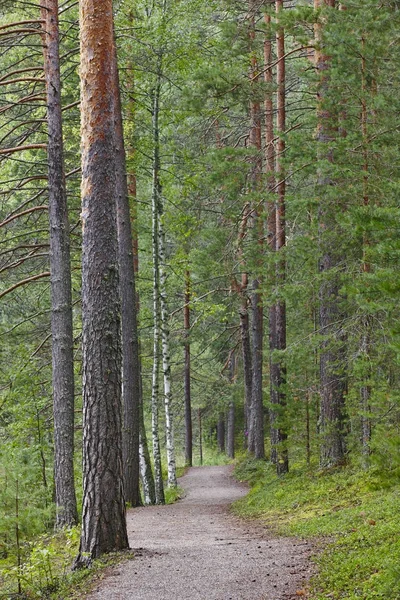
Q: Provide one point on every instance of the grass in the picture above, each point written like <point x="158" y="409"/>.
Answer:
<point x="46" y="564"/>
<point x="356" y="516"/>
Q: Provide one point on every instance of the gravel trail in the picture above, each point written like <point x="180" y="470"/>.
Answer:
<point x="195" y="549"/>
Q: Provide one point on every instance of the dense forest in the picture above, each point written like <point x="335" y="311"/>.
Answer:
<point x="199" y="253"/>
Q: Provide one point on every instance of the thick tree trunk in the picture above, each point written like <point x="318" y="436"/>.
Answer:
<point x="60" y="268"/>
<point x="332" y="358"/>
<point x="159" y="485"/>
<point x="130" y="340"/>
<point x="103" y="515"/>
<point x="188" y="402"/>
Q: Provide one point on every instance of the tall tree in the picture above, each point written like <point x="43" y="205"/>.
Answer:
<point x="332" y="358"/>
<point x="103" y="513"/>
<point x="256" y="428"/>
<point x="130" y="339"/>
<point x="156" y="193"/>
<point x="187" y="387"/>
<point x="278" y="330"/>
<point x="60" y="268"/>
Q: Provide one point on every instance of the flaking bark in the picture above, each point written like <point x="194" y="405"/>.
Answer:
<point x="103" y="514"/>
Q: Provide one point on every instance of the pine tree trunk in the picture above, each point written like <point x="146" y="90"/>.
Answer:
<point x="230" y="441"/>
<point x="103" y="514"/>
<point x="60" y="268"/>
<point x="130" y="340"/>
<point x="247" y="364"/>
<point x="146" y="473"/>
<point x="159" y="485"/>
<point x="365" y="391"/>
<point x="221" y="432"/>
<point x="188" y="403"/>
<point x="332" y="357"/>
<point x="277" y="336"/>
<point x="256" y="425"/>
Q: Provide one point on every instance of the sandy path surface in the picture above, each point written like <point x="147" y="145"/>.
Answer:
<point x="196" y="550"/>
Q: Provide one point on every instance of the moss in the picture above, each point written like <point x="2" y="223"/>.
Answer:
<point x="356" y="513"/>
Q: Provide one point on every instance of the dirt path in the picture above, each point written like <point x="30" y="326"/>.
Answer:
<point x="196" y="550"/>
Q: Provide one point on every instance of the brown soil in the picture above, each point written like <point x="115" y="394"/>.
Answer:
<point x="195" y="549"/>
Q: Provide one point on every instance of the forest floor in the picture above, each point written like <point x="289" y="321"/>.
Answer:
<point x="197" y="549"/>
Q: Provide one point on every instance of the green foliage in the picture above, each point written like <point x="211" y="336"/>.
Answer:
<point x="353" y="517"/>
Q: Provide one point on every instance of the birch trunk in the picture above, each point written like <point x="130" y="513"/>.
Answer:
<point x="159" y="485"/>
<point x="166" y="358"/>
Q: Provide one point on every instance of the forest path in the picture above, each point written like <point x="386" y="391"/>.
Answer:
<point x="195" y="549"/>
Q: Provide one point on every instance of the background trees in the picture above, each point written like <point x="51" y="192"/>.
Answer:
<point x="265" y="177"/>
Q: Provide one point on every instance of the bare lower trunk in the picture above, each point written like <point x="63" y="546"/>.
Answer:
<point x="146" y="474"/>
<point x="103" y="514"/>
<point x="188" y="403"/>
<point x="230" y="443"/>
<point x="256" y="429"/>
<point x="166" y="361"/>
<point x="247" y="364"/>
<point x="60" y="268"/>
<point x="221" y="432"/>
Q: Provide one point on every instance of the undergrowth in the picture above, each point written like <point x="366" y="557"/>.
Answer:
<point x="355" y="514"/>
<point x="45" y="564"/>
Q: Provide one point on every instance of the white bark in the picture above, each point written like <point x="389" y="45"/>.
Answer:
<point x="156" y="306"/>
<point x="166" y="359"/>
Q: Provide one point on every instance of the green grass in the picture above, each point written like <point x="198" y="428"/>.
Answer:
<point x="355" y="514"/>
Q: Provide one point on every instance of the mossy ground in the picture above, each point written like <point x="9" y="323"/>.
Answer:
<point x="355" y="514"/>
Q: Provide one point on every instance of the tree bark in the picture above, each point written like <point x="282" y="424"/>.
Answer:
<point x="221" y="432"/>
<point x="188" y="403"/>
<point x="159" y="485"/>
<point x="277" y="238"/>
<point x="130" y="340"/>
<point x="256" y="425"/>
<point x="230" y="438"/>
<point x="103" y="515"/>
<point x="60" y="269"/>
<point x="166" y="356"/>
<point x="146" y="473"/>
<point x="332" y="357"/>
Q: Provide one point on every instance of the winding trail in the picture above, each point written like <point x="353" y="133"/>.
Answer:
<point x="195" y="549"/>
